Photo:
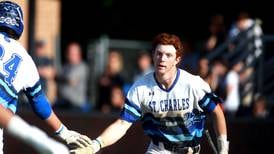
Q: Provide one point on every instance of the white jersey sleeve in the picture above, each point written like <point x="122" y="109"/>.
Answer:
<point x="31" y="74"/>
<point x="201" y="87"/>
<point x="132" y="108"/>
<point x="34" y="92"/>
<point x="206" y="99"/>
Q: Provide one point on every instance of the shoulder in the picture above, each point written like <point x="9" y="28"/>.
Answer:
<point x="188" y="77"/>
<point x="10" y="43"/>
<point x="18" y="48"/>
<point x="145" y="80"/>
<point x="14" y="47"/>
<point x="194" y="81"/>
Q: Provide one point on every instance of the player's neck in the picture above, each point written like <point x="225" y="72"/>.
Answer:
<point x="167" y="79"/>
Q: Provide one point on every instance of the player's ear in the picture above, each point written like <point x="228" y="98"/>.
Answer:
<point x="178" y="60"/>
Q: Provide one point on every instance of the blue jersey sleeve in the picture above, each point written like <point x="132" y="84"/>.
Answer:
<point x="38" y="101"/>
<point x="130" y="112"/>
<point x="209" y="102"/>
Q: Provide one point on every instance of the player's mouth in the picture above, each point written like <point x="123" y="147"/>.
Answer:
<point x="161" y="66"/>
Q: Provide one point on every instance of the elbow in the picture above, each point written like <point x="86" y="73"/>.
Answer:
<point x="218" y="111"/>
<point x="41" y="107"/>
<point x="124" y="126"/>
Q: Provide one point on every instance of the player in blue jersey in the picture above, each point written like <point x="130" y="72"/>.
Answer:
<point x="172" y="105"/>
<point x="18" y="73"/>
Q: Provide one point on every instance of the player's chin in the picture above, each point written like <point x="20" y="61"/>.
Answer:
<point x="160" y="70"/>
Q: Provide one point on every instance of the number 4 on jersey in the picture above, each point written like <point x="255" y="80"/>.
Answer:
<point x="10" y="66"/>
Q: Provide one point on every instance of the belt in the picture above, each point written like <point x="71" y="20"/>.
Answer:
<point x="177" y="148"/>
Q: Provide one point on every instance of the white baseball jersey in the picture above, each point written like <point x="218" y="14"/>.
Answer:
<point x="171" y="115"/>
<point x="18" y="72"/>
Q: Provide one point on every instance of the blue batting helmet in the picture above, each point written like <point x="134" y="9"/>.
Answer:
<point x="11" y="19"/>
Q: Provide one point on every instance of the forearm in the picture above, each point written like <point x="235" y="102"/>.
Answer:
<point x="110" y="135"/>
<point x="53" y="121"/>
<point x="219" y="121"/>
<point x="42" y="108"/>
<point x="114" y="132"/>
<point x="5" y="117"/>
<point x="221" y="130"/>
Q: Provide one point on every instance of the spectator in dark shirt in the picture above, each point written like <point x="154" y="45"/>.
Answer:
<point x="110" y="79"/>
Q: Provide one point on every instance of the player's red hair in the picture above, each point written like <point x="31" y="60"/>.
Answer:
<point x="168" y="39"/>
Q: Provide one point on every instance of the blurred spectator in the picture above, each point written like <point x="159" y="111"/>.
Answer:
<point x="232" y="101"/>
<point x="216" y="36"/>
<point x="260" y="108"/>
<point x="246" y="28"/>
<point x="190" y="59"/>
<point x="203" y="68"/>
<point x="216" y="78"/>
<point x="110" y="78"/>
<point x="246" y="44"/>
<point x="73" y="80"/>
<point x="144" y="63"/>
<point x="117" y="98"/>
<point x="46" y="70"/>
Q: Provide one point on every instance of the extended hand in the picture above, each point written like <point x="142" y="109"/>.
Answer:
<point x="72" y="138"/>
<point x="85" y="146"/>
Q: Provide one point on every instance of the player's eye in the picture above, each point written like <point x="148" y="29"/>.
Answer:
<point x="159" y="54"/>
<point x="168" y="55"/>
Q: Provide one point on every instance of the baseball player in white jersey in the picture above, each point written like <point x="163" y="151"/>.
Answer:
<point x="18" y="73"/>
<point x="172" y="105"/>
